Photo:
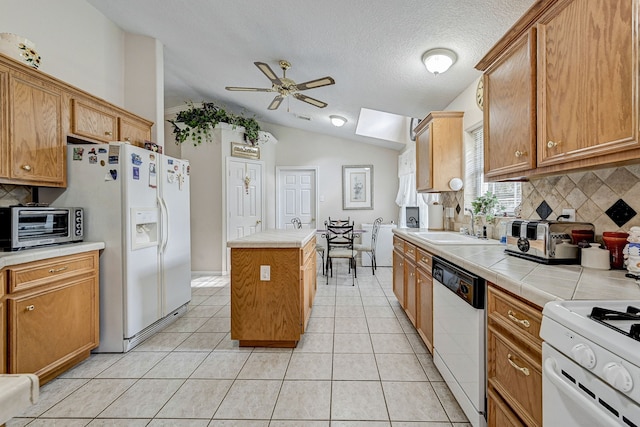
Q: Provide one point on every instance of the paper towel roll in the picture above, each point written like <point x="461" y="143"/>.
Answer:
<point x="436" y="217"/>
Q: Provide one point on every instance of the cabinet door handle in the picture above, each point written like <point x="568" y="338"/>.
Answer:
<point x="30" y="307"/>
<point x="26" y="167"/>
<point x="108" y="133"/>
<point x="523" y="322"/>
<point x="127" y="139"/>
<point x="519" y="153"/>
<point x="519" y="368"/>
<point x="57" y="270"/>
<point x="552" y="144"/>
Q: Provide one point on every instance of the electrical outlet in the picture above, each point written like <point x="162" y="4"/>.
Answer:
<point x="265" y="273"/>
<point x="571" y="213"/>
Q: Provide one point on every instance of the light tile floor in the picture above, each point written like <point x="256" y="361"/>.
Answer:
<point x="360" y="363"/>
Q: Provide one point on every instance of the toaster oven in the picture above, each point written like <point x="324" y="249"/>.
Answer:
<point x="23" y="227"/>
<point x="538" y="240"/>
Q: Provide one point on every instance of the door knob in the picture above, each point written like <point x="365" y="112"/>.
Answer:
<point x="519" y="153"/>
<point x="258" y="222"/>
<point x="551" y="144"/>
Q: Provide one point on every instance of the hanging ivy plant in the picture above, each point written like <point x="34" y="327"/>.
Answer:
<point x="197" y="122"/>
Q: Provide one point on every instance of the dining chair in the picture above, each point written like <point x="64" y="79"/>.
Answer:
<point x="340" y="246"/>
<point x="338" y="221"/>
<point x="370" y="249"/>
<point x="319" y="246"/>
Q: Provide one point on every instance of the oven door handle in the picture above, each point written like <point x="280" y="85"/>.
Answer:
<point x="588" y="405"/>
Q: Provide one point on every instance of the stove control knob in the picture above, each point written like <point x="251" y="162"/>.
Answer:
<point x="618" y="376"/>
<point x="583" y="354"/>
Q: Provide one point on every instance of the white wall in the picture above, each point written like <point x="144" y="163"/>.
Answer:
<point x="299" y="148"/>
<point x="80" y="46"/>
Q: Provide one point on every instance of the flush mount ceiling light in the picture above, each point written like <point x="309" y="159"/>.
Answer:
<point x="438" y="60"/>
<point x="337" y="121"/>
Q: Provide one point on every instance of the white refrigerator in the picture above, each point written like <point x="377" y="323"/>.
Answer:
<point x="137" y="202"/>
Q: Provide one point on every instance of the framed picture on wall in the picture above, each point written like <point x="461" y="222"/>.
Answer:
<point x="357" y="187"/>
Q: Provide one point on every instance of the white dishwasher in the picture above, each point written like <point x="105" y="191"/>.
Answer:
<point x="384" y="247"/>
<point x="459" y="327"/>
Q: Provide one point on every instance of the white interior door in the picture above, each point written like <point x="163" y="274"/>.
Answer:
<point x="297" y="189"/>
<point x="244" y="198"/>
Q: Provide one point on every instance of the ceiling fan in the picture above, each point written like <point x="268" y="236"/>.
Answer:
<point x="285" y="86"/>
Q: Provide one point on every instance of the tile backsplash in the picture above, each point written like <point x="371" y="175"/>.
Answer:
<point x="14" y="194"/>
<point x="609" y="198"/>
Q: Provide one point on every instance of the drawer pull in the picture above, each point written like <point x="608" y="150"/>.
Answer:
<point x="26" y="167"/>
<point x="108" y="133"/>
<point x="519" y="153"/>
<point x="519" y="368"/>
<point x="523" y="322"/>
<point x="552" y="144"/>
<point x="57" y="270"/>
<point x="30" y="307"/>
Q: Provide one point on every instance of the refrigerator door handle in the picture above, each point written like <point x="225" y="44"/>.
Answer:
<point x="165" y="223"/>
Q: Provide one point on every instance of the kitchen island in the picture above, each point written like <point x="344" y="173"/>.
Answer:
<point x="273" y="284"/>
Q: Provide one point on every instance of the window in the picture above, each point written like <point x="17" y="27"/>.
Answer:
<point x="509" y="193"/>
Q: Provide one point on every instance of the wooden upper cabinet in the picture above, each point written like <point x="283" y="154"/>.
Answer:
<point x="135" y="132"/>
<point x="36" y="142"/>
<point x="577" y="61"/>
<point x="510" y="110"/>
<point x="438" y="151"/>
<point x="92" y="121"/>
<point x="587" y="80"/>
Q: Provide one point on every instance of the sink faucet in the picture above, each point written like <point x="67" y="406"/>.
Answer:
<point x="473" y="217"/>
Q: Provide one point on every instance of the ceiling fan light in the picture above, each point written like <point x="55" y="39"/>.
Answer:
<point x="439" y="60"/>
<point x="337" y="121"/>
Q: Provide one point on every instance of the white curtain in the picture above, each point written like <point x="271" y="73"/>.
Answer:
<point x="407" y="194"/>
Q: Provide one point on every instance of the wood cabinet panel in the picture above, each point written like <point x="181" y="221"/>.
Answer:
<point x="425" y="306"/>
<point x="410" y="288"/>
<point x="588" y="90"/>
<point x="514" y="355"/>
<point x="38" y="273"/>
<point x="438" y="150"/>
<point x="309" y="281"/>
<point x="93" y="121"/>
<point x="510" y="110"/>
<point x="498" y="412"/>
<point x="134" y="132"/>
<point x="36" y="144"/>
<point x="49" y="327"/>
<point x="398" y="276"/>
<point x="4" y="123"/>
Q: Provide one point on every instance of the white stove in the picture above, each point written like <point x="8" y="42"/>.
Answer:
<point x="591" y="363"/>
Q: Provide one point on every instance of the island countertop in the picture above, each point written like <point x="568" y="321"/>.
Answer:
<point x="272" y="238"/>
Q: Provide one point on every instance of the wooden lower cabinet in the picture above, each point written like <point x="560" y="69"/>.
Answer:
<point x="425" y="307"/>
<point x="271" y="313"/>
<point x="411" y="290"/>
<point x="398" y="276"/>
<point x="53" y="324"/>
<point x="514" y="360"/>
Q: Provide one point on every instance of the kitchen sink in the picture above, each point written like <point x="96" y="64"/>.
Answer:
<point x="451" y="238"/>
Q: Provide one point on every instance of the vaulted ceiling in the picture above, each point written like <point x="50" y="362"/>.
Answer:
<point x="372" y="48"/>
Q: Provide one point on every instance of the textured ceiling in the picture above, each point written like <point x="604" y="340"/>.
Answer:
<point x="371" y="48"/>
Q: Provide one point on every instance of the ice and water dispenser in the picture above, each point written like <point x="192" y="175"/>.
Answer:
<point x="144" y="227"/>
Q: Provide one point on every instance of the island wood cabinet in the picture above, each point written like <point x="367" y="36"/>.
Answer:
<point x="3" y="323"/>
<point x="53" y="314"/>
<point x="514" y="361"/>
<point x="32" y="144"/>
<point x="439" y="151"/>
<point x="576" y="61"/>
<point x="413" y="286"/>
<point x="274" y="312"/>
<point x="97" y="121"/>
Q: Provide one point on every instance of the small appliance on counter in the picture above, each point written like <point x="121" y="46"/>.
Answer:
<point x="545" y="241"/>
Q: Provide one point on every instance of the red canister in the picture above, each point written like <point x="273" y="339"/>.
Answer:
<point x="615" y="242"/>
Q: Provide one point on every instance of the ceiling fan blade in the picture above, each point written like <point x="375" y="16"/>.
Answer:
<point x="249" y="89"/>
<point x="311" y="84"/>
<point x="269" y="73"/>
<point x="276" y="102"/>
<point x="309" y="100"/>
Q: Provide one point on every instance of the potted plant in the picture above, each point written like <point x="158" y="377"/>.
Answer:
<point x="486" y="205"/>
<point x="197" y="122"/>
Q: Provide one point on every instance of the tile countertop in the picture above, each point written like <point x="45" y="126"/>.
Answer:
<point x="296" y="238"/>
<point x="30" y="255"/>
<point x="535" y="282"/>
